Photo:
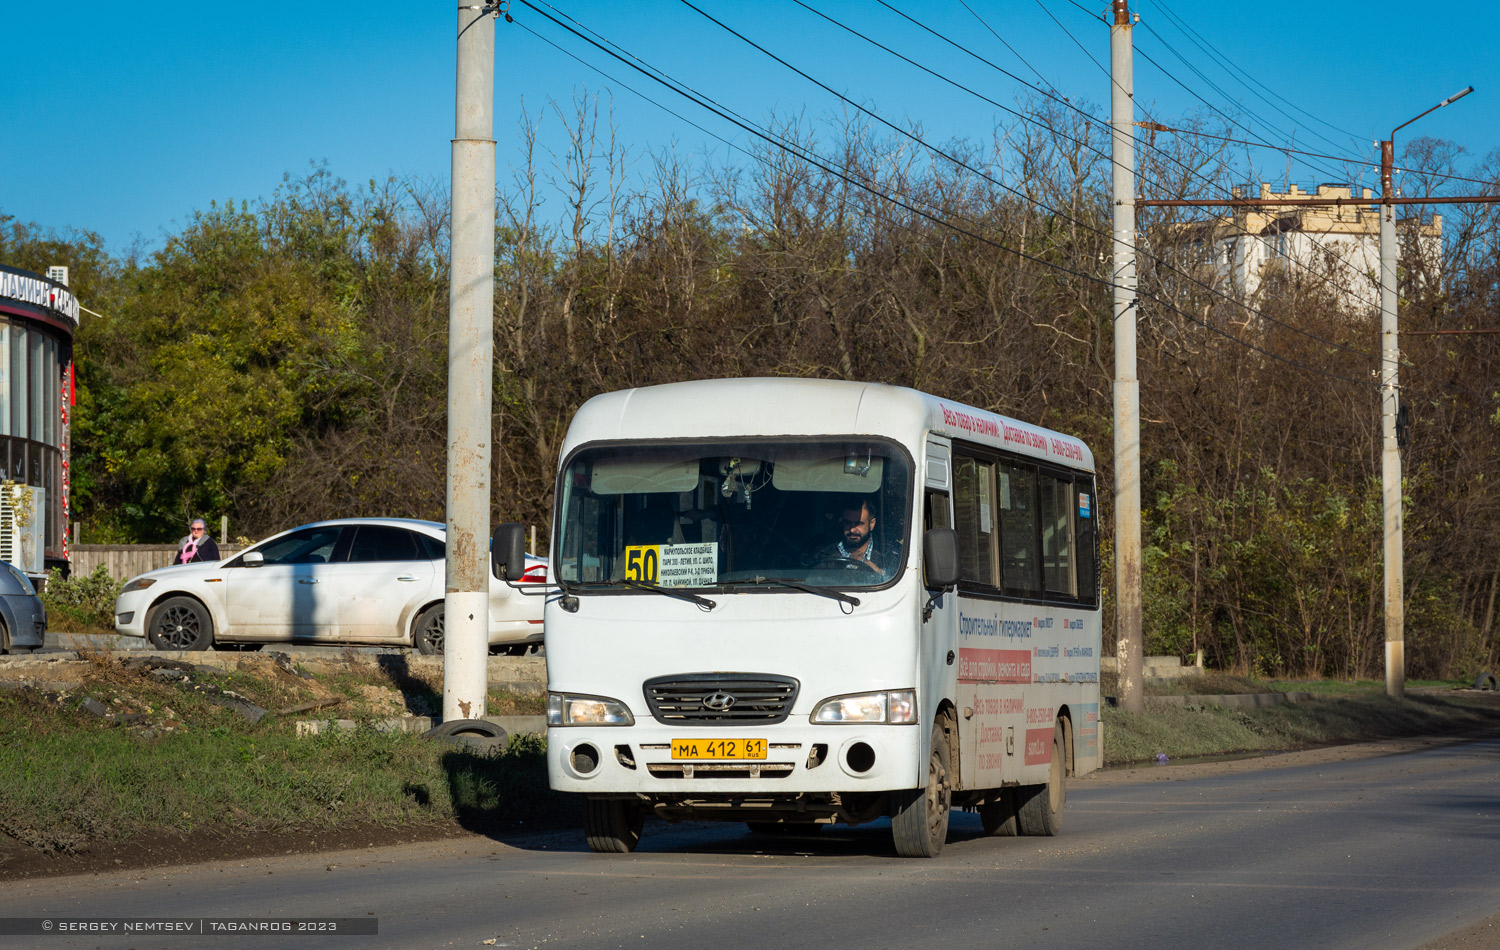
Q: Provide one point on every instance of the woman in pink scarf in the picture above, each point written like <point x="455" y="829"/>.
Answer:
<point x="197" y="546"/>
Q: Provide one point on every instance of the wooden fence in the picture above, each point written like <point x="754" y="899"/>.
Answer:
<point x="124" y="561"/>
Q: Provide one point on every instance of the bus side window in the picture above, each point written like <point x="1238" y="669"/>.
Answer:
<point x="974" y="520"/>
<point x="1085" y="511"/>
<point x="935" y="513"/>
<point x="1019" y="530"/>
<point x="1058" y="545"/>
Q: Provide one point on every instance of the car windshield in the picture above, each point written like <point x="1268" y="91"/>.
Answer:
<point x="735" y="515"/>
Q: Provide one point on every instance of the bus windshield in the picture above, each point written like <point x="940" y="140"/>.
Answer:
<point x="831" y="513"/>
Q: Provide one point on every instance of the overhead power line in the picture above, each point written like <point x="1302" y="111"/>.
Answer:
<point x="886" y="195"/>
<point x="1231" y="67"/>
<point x="1324" y="278"/>
<point x="1160" y="127"/>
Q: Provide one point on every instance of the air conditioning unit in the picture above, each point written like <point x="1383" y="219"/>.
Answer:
<point x="22" y="522"/>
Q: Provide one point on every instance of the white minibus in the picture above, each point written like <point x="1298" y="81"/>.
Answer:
<point x="795" y="602"/>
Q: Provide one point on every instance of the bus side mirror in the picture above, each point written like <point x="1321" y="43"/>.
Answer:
<point x="940" y="558"/>
<point x="508" y="551"/>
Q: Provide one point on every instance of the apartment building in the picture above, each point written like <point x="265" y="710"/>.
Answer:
<point x="1338" y="245"/>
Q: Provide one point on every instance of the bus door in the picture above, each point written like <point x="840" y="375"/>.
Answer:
<point x="940" y="628"/>
<point x="993" y="645"/>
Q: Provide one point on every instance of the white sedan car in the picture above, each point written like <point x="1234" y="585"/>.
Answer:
<point x="374" y="581"/>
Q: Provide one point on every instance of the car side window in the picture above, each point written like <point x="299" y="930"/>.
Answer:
<point x="378" y="542"/>
<point x="432" y="548"/>
<point x="308" y="546"/>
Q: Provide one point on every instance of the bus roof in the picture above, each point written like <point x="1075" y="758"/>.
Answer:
<point x="769" y="407"/>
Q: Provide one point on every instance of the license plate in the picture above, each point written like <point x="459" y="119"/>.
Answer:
<point x="718" y="748"/>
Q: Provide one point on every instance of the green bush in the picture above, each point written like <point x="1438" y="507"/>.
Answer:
<point x="81" y="604"/>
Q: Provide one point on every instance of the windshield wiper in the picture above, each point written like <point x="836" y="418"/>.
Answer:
<point x="838" y="595"/>
<point x="703" y="602"/>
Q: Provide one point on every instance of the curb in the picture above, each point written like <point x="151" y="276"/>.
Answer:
<point x="513" y="725"/>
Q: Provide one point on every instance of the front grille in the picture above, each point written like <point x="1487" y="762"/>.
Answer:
<point x="711" y="770"/>
<point x="700" y="698"/>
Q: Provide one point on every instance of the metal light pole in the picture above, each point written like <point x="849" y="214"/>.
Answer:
<point x="1390" y="405"/>
<point x="1130" y="647"/>
<point x="471" y="345"/>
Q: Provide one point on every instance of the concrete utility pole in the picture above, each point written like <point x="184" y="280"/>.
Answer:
<point x="1390" y="452"/>
<point x="1129" y="643"/>
<point x="471" y="345"/>
<point x="1390" y="406"/>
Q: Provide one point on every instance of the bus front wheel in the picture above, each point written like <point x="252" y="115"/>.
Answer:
<point x="1042" y="805"/>
<point x="612" y="825"/>
<point x="919" y="817"/>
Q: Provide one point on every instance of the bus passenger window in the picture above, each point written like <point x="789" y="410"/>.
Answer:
<point x="935" y="513"/>
<point x="974" y="519"/>
<point x="1018" y="530"/>
<point x="1057" y="535"/>
<point x="1085" y="510"/>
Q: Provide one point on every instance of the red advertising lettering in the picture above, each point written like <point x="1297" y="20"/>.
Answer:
<point x="994" y="666"/>
<point x="1038" y="746"/>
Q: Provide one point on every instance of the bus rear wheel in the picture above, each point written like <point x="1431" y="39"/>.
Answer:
<point x="998" y="814"/>
<point x="612" y="825"/>
<point x="919" y="817"/>
<point x="1042" y="805"/>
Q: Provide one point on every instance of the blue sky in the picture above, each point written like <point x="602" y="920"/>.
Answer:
<point x="126" y="118"/>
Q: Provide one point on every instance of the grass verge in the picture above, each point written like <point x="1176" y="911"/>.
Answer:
<point x="147" y="749"/>
<point x="1338" y="713"/>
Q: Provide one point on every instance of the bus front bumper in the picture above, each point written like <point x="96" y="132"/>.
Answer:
<point x="641" y="759"/>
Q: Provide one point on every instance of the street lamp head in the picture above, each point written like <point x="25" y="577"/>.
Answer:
<point x="1455" y="97"/>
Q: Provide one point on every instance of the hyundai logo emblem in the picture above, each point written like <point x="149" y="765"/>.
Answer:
<point x="720" y="701"/>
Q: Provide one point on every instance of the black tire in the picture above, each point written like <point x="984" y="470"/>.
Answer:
<point x="919" y="816"/>
<point x="474" y="735"/>
<point x="180" y="623"/>
<point x="427" y="633"/>
<point x="612" y="825"/>
<point x="998" y="815"/>
<point x="6" y="647"/>
<point x="465" y="727"/>
<point x="1041" y="806"/>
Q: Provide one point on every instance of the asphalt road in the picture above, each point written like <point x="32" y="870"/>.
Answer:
<point x="1391" y="851"/>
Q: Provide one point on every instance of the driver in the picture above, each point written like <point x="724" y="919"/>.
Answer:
<point x="857" y="548"/>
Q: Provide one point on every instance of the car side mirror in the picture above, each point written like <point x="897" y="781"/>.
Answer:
<point x="253" y="559"/>
<point x="508" y="551"/>
<point x="940" y="558"/>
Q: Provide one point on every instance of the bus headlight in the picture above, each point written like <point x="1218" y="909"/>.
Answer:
<point x="892" y="707"/>
<point x="571" y="709"/>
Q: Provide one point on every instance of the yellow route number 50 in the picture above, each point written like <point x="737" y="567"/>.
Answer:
<point x="643" y="562"/>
